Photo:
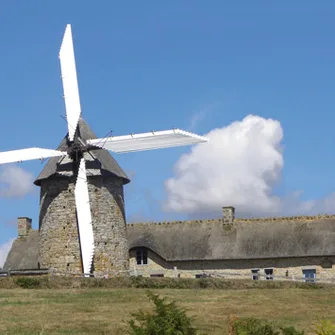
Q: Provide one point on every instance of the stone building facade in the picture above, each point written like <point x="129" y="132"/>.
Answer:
<point x="261" y="269"/>
<point x="298" y="248"/>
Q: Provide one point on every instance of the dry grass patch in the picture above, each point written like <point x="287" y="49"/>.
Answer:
<point x="102" y="311"/>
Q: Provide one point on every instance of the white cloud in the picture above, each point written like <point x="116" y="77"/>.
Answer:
<point x="239" y="166"/>
<point x="4" y="249"/>
<point x="293" y="204"/>
<point x="15" y="182"/>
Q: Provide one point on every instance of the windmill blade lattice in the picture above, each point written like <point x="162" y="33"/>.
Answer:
<point x="70" y="82"/>
<point x="17" y="156"/>
<point x="148" y="141"/>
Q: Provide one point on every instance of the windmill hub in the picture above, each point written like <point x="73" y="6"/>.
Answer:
<point x="77" y="148"/>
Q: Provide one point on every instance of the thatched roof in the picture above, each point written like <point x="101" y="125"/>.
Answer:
<point x="214" y="240"/>
<point x="23" y="254"/>
<point x="98" y="160"/>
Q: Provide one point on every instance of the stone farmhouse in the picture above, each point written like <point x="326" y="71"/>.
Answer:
<point x="300" y="248"/>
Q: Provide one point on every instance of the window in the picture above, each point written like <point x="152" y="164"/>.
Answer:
<point x="141" y="257"/>
<point x="200" y="275"/>
<point x="268" y="274"/>
<point x="157" y="275"/>
<point x="309" y="275"/>
<point x="255" y="274"/>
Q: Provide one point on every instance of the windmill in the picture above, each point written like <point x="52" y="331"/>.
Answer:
<point x="80" y="148"/>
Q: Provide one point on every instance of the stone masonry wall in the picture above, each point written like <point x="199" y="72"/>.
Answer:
<point x="290" y="268"/>
<point x="59" y="247"/>
<point x="109" y="224"/>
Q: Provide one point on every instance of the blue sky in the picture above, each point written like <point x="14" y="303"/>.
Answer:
<point x="189" y="64"/>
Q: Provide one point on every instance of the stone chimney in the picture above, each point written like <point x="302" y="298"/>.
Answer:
<point x="24" y="226"/>
<point x="228" y="214"/>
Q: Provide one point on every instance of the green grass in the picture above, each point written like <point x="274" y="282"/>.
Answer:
<point x="103" y="311"/>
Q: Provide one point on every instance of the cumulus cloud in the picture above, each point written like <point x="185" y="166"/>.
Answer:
<point x="15" y="182"/>
<point x="4" y="249"/>
<point x="239" y="166"/>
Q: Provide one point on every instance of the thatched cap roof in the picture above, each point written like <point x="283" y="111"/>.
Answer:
<point x="102" y="163"/>
<point x="214" y="240"/>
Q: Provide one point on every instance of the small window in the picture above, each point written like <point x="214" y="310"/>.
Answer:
<point x="268" y="274"/>
<point x="157" y="275"/>
<point x="309" y="275"/>
<point x="202" y="275"/>
<point x="255" y="274"/>
<point x="141" y="257"/>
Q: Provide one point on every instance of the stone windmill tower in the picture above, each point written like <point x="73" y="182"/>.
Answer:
<point x="82" y="221"/>
<point x="59" y="243"/>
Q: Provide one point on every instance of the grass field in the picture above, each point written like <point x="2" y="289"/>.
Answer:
<point x="103" y="311"/>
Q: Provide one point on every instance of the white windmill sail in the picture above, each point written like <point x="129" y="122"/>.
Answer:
<point x="70" y="82"/>
<point x="17" y="156"/>
<point x="84" y="218"/>
<point x="148" y="141"/>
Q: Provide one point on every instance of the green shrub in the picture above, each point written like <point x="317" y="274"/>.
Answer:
<point x="324" y="327"/>
<point x="28" y="282"/>
<point x="159" y="283"/>
<point x="253" y="327"/>
<point x="259" y="327"/>
<point x="291" y="331"/>
<point x="167" y="319"/>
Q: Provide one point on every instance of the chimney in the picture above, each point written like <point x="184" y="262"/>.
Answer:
<point x="24" y="226"/>
<point x="228" y="214"/>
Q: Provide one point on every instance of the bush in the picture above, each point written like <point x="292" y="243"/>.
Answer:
<point x="253" y="327"/>
<point x="258" y="327"/>
<point x="291" y="331"/>
<point x="159" y="283"/>
<point x="28" y="282"/>
<point x="324" y="327"/>
<point x="167" y="319"/>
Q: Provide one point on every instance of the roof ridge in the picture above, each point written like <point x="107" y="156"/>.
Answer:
<point x="297" y="218"/>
